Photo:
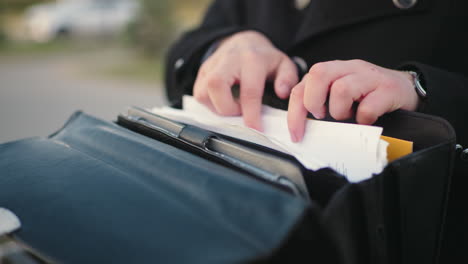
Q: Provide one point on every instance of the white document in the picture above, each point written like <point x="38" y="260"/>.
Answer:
<point x="9" y="222"/>
<point x="355" y="151"/>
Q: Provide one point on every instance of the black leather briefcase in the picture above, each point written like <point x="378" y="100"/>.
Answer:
<point x="140" y="191"/>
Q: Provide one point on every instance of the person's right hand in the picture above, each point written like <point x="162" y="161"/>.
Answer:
<point x="248" y="59"/>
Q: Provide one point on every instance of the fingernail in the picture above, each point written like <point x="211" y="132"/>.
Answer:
<point x="294" y="137"/>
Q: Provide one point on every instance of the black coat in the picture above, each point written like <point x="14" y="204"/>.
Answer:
<point x="428" y="37"/>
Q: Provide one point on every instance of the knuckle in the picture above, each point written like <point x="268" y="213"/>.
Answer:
<point x="288" y="62"/>
<point x="251" y="55"/>
<point x="340" y="114"/>
<point x="204" y="68"/>
<point x="340" y="88"/>
<point x="359" y="62"/>
<point x="291" y="74"/>
<point x="285" y="58"/>
<point x="334" y="62"/>
<point x="250" y="94"/>
<point x="366" y="114"/>
<point x="296" y="93"/>
<point x="374" y="70"/>
<point x="287" y="79"/>
<point x="214" y="81"/>
<point x="231" y="50"/>
<point x="200" y="96"/>
<point x="319" y="69"/>
<point x="310" y="105"/>
<point x="288" y="69"/>
<point x="202" y="72"/>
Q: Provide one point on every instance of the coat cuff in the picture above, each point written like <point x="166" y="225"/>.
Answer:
<point x="447" y="93"/>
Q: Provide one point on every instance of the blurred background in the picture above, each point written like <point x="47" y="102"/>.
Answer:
<point x="98" y="56"/>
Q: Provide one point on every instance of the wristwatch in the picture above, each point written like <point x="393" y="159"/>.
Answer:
<point x="417" y="85"/>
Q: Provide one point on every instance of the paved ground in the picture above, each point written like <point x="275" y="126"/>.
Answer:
<point x="39" y="92"/>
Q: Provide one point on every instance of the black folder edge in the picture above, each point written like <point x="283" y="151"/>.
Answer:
<point x="259" y="162"/>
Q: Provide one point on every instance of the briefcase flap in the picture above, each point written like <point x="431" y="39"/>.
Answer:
<point x="425" y="131"/>
<point x="95" y="192"/>
<point x="404" y="207"/>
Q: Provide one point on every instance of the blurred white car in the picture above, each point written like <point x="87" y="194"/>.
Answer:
<point x="45" y="22"/>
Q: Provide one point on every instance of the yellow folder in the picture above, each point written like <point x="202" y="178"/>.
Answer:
<point x="397" y="148"/>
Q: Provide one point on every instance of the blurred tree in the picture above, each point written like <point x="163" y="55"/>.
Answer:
<point x="18" y="5"/>
<point x="2" y="38"/>
<point x="161" y="21"/>
<point x="154" y="28"/>
<point x="12" y="7"/>
<point x="189" y="12"/>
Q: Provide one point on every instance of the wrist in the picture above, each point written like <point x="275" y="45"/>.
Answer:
<point x="421" y="74"/>
<point x="412" y="98"/>
<point x="417" y="92"/>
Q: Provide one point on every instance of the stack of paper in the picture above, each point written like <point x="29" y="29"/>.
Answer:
<point x="356" y="151"/>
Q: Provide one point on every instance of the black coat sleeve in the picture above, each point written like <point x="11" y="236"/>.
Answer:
<point x="447" y="96"/>
<point x="222" y="18"/>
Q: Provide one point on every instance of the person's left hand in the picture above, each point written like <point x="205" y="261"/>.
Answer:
<point x="378" y="90"/>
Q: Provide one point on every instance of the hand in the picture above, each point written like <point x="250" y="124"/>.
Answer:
<point x="246" y="58"/>
<point x="378" y="91"/>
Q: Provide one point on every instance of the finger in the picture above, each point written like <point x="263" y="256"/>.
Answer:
<point x="253" y="77"/>
<point x="286" y="77"/>
<point x="200" y="92"/>
<point x="297" y="113"/>
<point x="374" y="105"/>
<point x="200" y="88"/>
<point x="318" y="82"/>
<point x="347" y="90"/>
<point x="218" y="84"/>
